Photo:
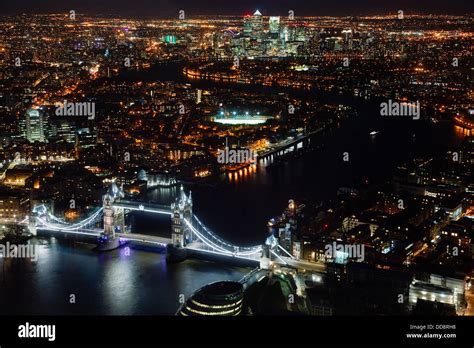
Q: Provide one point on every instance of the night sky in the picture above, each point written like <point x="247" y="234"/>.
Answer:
<point x="169" y="8"/>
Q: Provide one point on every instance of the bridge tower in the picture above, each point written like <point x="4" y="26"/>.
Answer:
<point x="109" y="229"/>
<point x="182" y="209"/>
<point x="114" y="218"/>
<point x="32" y="225"/>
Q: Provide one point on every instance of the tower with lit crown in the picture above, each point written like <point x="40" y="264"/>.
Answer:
<point x="257" y="32"/>
<point x="253" y="34"/>
<point x="257" y="25"/>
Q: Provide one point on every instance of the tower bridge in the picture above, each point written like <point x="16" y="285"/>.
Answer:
<point x="187" y="231"/>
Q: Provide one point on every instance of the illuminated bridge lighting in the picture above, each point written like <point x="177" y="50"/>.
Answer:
<point x="220" y="246"/>
<point x="61" y="225"/>
<point x="215" y="245"/>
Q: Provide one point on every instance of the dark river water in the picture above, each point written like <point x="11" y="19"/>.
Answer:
<point x="114" y="283"/>
<point x="143" y="283"/>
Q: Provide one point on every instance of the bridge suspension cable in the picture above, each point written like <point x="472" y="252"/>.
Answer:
<point x="64" y="226"/>
<point x="216" y="243"/>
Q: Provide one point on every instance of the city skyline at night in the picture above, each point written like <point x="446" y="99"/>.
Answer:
<point x="166" y="8"/>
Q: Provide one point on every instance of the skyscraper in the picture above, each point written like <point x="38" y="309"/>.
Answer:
<point x="247" y="26"/>
<point x="34" y="125"/>
<point x="257" y="26"/>
<point x="198" y="96"/>
<point x="254" y="34"/>
<point x="274" y="25"/>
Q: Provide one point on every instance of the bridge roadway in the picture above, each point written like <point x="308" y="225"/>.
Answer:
<point x="143" y="206"/>
<point x="281" y="260"/>
<point x="302" y="264"/>
<point x="144" y="238"/>
<point x="82" y="231"/>
<point x="199" y="247"/>
<point x="134" y="237"/>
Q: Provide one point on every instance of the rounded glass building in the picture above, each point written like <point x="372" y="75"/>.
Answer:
<point x="220" y="298"/>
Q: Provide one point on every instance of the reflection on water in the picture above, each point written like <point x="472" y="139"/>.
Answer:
<point x="163" y="195"/>
<point x="113" y="283"/>
<point x="462" y="132"/>
<point x="244" y="173"/>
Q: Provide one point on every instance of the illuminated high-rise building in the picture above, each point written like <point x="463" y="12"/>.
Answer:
<point x="66" y="130"/>
<point x="34" y="125"/>
<point x="274" y="25"/>
<point x="247" y="31"/>
<point x="171" y="39"/>
<point x="85" y="138"/>
<point x="253" y="34"/>
<point x="285" y="35"/>
<point x="348" y="36"/>
<point x="257" y="26"/>
<point x="198" y="96"/>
